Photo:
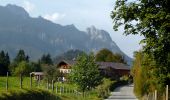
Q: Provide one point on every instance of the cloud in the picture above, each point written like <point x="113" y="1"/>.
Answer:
<point x="28" y="6"/>
<point x="54" y="17"/>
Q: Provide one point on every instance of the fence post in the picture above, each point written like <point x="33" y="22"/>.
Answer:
<point x="166" y="92"/>
<point x="56" y="89"/>
<point x="47" y="84"/>
<point x="52" y="85"/>
<point x="38" y="81"/>
<point x="30" y="80"/>
<point x="66" y="90"/>
<point x="21" y="81"/>
<point x="7" y="82"/>
<point x="60" y="89"/>
<point x="63" y="89"/>
<point x="155" y="94"/>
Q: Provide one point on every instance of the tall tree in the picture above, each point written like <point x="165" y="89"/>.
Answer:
<point x="85" y="73"/>
<point x="46" y="59"/>
<point x="150" y="18"/>
<point x="21" y="56"/>
<point x="4" y="63"/>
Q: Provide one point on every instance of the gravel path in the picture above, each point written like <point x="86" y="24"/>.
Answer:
<point x="123" y="93"/>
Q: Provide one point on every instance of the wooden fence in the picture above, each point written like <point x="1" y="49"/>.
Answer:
<point x="155" y="95"/>
<point x="50" y="86"/>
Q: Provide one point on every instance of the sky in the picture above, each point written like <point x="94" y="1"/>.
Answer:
<point x="81" y="13"/>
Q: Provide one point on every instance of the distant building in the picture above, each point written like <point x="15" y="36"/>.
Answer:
<point x="37" y="75"/>
<point x="113" y="70"/>
<point x="65" y="66"/>
<point x="109" y="69"/>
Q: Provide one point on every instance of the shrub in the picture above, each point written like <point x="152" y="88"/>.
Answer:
<point x="104" y="88"/>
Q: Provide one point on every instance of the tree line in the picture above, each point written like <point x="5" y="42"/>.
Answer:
<point x="21" y="64"/>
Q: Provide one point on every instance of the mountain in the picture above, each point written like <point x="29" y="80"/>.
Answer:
<point x="69" y="55"/>
<point x="38" y="36"/>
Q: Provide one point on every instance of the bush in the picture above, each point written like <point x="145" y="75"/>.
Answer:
<point x="104" y="88"/>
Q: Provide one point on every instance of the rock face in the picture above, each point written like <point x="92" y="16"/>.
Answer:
<point x="37" y="35"/>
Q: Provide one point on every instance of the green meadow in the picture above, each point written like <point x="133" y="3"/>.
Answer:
<point x="64" y="91"/>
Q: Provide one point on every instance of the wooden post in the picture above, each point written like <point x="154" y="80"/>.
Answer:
<point x="47" y="84"/>
<point x="166" y="92"/>
<point x="60" y="89"/>
<point x="30" y="80"/>
<point x="56" y="89"/>
<point x="63" y="89"/>
<point x="21" y="81"/>
<point x="52" y="85"/>
<point x="155" y="94"/>
<point x="38" y="80"/>
<point x="7" y="82"/>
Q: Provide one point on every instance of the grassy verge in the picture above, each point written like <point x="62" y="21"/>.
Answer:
<point x="28" y="95"/>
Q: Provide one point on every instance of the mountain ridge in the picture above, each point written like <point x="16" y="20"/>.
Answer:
<point x="38" y="35"/>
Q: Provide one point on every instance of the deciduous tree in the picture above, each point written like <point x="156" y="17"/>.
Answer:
<point x="85" y="73"/>
<point x="151" y="19"/>
<point x="107" y="56"/>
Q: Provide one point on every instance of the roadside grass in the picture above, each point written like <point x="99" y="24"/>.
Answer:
<point x="29" y="94"/>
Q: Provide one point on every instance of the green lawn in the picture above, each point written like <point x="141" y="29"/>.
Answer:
<point x="65" y="91"/>
<point x="14" y="83"/>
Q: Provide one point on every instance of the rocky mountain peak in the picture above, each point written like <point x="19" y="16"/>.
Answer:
<point x="19" y="11"/>
<point x="95" y="33"/>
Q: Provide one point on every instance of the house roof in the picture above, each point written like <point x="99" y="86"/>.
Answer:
<point x="121" y="66"/>
<point x="69" y="62"/>
<point x="37" y="73"/>
<point x="102" y="65"/>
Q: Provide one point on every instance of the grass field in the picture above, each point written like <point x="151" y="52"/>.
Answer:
<point x="14" y="83"/>
<point x="65" y="91"/>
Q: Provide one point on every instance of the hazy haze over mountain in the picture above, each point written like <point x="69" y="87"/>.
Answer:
<point x="37" y="35"/>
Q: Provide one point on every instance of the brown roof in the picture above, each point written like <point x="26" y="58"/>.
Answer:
<point x="102" y="65"/>
<point x="69" y="62"/>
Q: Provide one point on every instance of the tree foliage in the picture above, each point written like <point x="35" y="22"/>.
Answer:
<point x="23" y="68"/>
<point x="46" y="59"/>
<point x="151" y="19"/>
<point x="36" y="66"/>
<point x="85" y="72"/>
<point x="103" y="89"/>
<point x="107" y="56"/>
<point x="51" y="73"/>
<point x="4" y="63"/>
<point x="21" y="56"/>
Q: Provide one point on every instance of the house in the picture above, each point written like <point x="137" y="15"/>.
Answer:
<point x="109" y="69"/>
<point x="113" y="70"/>
<point x="37" y="75"/>
<point x="65" y="66"/>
